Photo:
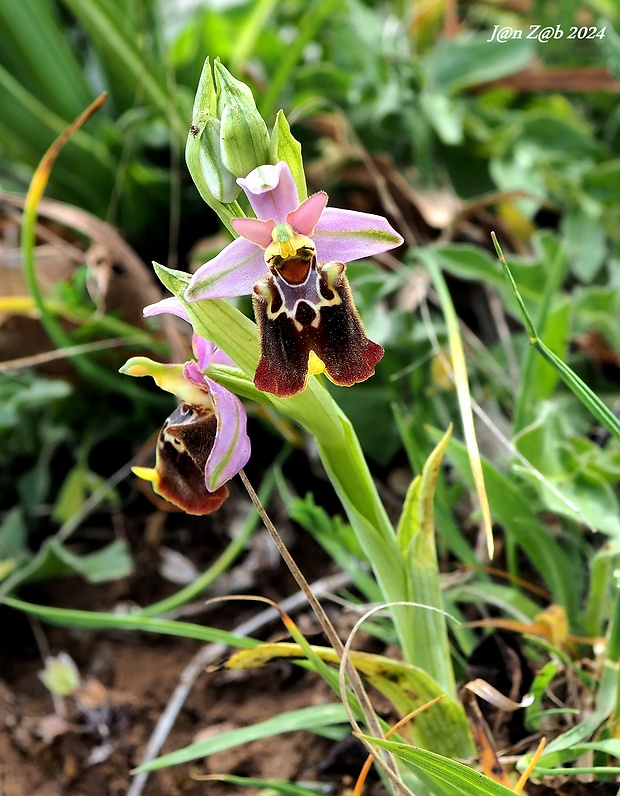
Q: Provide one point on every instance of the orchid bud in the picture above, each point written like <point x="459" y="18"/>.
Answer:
<point x="202" y="153"/>
<point x="204" y="160"/>
<point x="244" y="138"/>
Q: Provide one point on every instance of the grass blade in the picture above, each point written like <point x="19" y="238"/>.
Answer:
<point x="459" y="365"/>
<point x="302" y="719"/>
<point x="587" y="397"/>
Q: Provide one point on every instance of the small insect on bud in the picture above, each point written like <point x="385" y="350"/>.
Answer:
<point x="204" y="160"/>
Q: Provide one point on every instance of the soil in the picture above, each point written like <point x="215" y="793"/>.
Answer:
<point x="91" y="750"/>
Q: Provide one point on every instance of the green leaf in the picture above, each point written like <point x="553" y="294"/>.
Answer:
<point x="302" y="719"/>
<point x="456" y="63"/>
<point x="36" y="48"/>
<point x="13" y="546"/>
<point x="543" y="378"/>
<point x="409" y="522"/>
<point x="417" y="528"/>
<point x="443" y="727"/>
<point x="442" y="769"/>
<point x="119" y="41"/>
<point x="586" y="242"/>
<point x="579" y="491"/>
<point x="264" y="786"/>
<point x="511" y="507"/>
<point x="445" y="114"/>
<point x="94" y="620"/>
<point x="587" y="397"/>
<point x="54" y="560"/>
<point x="72" y="494"/>
<point x="285" y="147"/>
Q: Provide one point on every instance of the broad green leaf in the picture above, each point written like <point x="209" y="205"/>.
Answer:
<point x="13" y="544"/>
<point x="54" y="560"/>
<point x="72" y="494"/>
<point x="586" y="242"/>
<point x="610" y="45"/>
<point x="456" y="63"/>
<point x="579" y="491"/>
<point x="597" y="307"/>
<point x="446" y="116"/>
<point x="602" y="182"/>
<point x="442" y="727"/>
<point x="13" y="534"/>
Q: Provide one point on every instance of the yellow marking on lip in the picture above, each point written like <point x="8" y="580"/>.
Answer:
<point x="286" y="243"/>
<point x="147" y="474"/>
<point x="315" y="365"/>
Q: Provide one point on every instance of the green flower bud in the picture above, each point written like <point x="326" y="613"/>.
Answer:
<point x="202" y="153"/>
<point x="229" y="89"/>
<point x="204" y="160"/>
<point x="244" y="138"/>
<point x="206" y="93"/>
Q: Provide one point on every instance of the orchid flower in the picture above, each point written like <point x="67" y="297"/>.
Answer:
<point x="203" y="443"/>
<point x="291" y="259"/>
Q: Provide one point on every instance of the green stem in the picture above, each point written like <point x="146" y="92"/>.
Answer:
<point x="553" y="281"/>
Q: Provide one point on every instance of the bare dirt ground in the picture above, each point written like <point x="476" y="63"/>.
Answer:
<point x="44" y="754"/>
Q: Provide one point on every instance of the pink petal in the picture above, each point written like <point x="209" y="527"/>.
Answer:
<point x="258" y="232"/>
<point x="346" y="235"/>
<point x="170" y="305"/>
<point x="193" y="374"/>
<point x="208" y="354"/>
<point x="231" y="449"/>
<point x="231" y="273"/>
<point x="305" y="218"/>
<point x="203" y="351"/>
<point x="272" y="192"/>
